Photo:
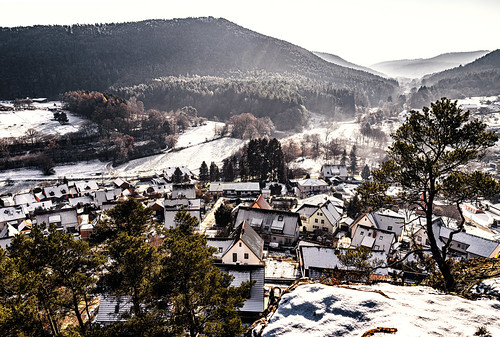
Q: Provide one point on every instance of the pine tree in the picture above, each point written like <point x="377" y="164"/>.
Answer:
<point x="201" y="298"/>
<point x="214" y="172"/>
<point x="365" y="173"/>
<point x="204" y="174"/>
<point x="343" y="159"/>
<point x="353" y="161"/>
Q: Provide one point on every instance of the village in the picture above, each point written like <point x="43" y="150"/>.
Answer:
<point x="270" y="233"/>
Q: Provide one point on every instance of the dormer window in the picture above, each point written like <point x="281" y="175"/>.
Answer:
<point x="280" y="218"/>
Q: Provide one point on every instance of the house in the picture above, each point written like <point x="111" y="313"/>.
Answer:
<point x="235" y="190"/>
<point x="311" y="186"/>
<point x="168" y="173"/>
<point x="277" y="228"/>
<point x="122" y="183"/>
<point x="187" y="191"/>
<point x="323" y="217"/>
<point x="191" y="206"/>
<point x="254" y="305"/>
<point x="112" y="309"/>
<point x="463" y="245"/>
<point x="24" y="198"/>
<point x="13" y="215"/>
<point x="243" y="246"/>
<point x="56" y="192"/>
<point x="102" y="197"/>
<point x="338" y="172"/>
<point x="376" y="239"/>
<point x="86" y="187"/>
<point x="317" y="261"/>
<point x="388" y="221"/>
<point x="65" y="218"/>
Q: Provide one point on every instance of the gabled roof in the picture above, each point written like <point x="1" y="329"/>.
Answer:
<point x="261" y="202"/>
<point x="249" y="236"/>
<point x="263" y="217"/>
<point x="475" y="245"/>
<point x="311" y="182"/>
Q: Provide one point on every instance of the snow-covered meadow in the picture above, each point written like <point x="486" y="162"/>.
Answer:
<point x="320" y="310"/>
<point x="15" y="123"/>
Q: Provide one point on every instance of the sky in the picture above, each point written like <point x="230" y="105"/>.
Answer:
<point x="364" y="32"/>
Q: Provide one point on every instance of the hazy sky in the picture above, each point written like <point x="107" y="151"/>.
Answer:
<point x="361" y="31"/>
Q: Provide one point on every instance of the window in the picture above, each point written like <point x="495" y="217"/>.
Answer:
<point x="319" y="214"/>
<point x="362" y="233"/>
<point x="235" y="257"/>
<point x="325" y="229"/>
<point x="389" y="228"/>
<point x="220" y="249"/>
<point x="381" y="237"/>
<point x="274" y="238"/>
<point x="246" y="256"/>
<point x="280" y="218"/>
<point x="427" y="242"/>
<point x="240" y="244"/>
<point x="322" y="221"/>
<point x="316" y="227"/>
<point x="419" y="238"/>
<point x="316" y="220"/>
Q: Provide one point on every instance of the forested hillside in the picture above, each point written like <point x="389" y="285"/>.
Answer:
<point x="479" y="78"/>
<point x="44" y="61"/>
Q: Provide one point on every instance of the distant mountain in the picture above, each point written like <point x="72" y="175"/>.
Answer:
<point x="341" y="62"/>
<point x="478" y="78"/>
<point x="419" y="67"/>
<point x="47" y="60"/>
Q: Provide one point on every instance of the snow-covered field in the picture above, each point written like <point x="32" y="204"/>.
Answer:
<point x="16" y="123"/>
<point x="319" y="310"/>
<point x="191" y="157"/>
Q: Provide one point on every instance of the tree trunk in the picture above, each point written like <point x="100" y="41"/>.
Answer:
<point x="78" y="314"/>
<point x="440" y="259"/>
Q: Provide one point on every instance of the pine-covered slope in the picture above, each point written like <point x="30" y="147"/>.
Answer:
<point x="47" y="60"/>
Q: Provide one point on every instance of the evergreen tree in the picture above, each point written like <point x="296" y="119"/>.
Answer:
<point x="365" y="173"/>
<point x="204" y="173"/>
<point x="228" y="170"/>
<point x="214" y="172"/>
<point x="353" y="161"/>
<point x="177" y="177"/>
<point x="201" y="298"/>
<point x="429" y="159"/>
<point x="343" y="159"/>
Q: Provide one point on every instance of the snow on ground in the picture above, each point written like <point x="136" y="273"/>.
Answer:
<point x="191" y="157"/>
<point x="71" y="171"/>
<point x="320" y="310"/>
<point x="16" y="123"/>
<point x="488" y="287"/>
<point x="200" y="134"/>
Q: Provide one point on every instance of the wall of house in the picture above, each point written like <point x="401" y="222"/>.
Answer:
<point x="240" y="249"/>
<point x="318" y="221"/>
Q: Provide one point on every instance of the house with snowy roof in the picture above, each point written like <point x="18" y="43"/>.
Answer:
<point x="317" y="261"/>
<point x="24" y="198"/>
<point x="463" y="244"/>
<point x="243" y="246"/>
<point x="12" y="215"/>
<point x="329" y="171"/>
<point x="173" y="206"/>
<point x="311" y="186"/>
<point x="376" y="239"/>
<point x="65" y="218"/>
<point x="187" y="191"/>
<point x="254" y="305"/>
<point x="277" y="228"/>
<point x="385" y="220"/>
<point x="235" y="190"/>
<point x="322" y="218"/>
<point x="57" y="192"/>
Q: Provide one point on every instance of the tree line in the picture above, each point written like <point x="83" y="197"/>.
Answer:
<point x="49" y="278"/>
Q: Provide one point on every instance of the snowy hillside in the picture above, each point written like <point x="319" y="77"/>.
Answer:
<point x="319" y="310"/>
